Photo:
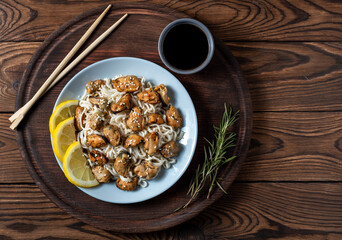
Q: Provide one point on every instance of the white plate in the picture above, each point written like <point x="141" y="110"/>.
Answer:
<point x="179" y="97"/>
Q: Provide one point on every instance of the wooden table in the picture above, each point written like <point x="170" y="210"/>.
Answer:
<point x="290" y="186"/>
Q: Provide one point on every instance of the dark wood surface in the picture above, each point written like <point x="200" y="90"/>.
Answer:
<point x="290" y="184"/>
<point x="142" y="28"/>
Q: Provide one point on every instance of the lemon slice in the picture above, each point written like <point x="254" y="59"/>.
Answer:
<point x="76" y="169"/>
<point x="63" y="111"/>
<point x="63" y="136"/>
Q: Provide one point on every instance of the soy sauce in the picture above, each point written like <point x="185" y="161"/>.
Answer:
<point x="185" y="46"/>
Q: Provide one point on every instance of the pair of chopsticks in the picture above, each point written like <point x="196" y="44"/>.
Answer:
<point x="59" y="73"/>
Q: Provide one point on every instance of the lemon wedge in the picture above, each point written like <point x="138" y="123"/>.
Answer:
<point x="63" y="136"/>
<point x="63" y="111"/>
<point x="76" y="169"/>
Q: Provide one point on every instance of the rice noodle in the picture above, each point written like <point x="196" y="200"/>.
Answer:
<point x="138" y="154"/>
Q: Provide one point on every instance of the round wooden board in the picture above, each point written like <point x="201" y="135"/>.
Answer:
<point x="221" y="82"/>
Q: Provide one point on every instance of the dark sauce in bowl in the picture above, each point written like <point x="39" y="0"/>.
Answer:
<point x="185" y="46"/>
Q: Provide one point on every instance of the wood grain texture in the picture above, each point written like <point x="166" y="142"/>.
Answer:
<point x="295" y="146"/>
<point x="235" y="20"/>
<point x="12" y="168"/>
<point x="295" y="87"/>
<point x="14" y="58"/>
<point x="275" y="20"/>
<point x="277" y="211"/>
<point x="284" y="76"/>
<point x="292" y="76"/>
<point x="250" y="211"/>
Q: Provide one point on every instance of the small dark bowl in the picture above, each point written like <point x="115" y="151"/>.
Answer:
<point x="211" y="45"/>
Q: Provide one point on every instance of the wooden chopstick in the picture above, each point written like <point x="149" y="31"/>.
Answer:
<point x="28" y="105"/>
<point x="87" y="51"/>
<point x="62" y="64"/>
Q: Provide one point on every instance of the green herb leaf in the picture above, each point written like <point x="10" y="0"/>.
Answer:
<point x="215" y="156"/>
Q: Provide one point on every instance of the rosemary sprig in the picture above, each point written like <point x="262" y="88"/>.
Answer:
<point x="214" y="156"/>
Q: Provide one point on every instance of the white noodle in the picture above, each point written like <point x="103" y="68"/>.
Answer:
<point x="165" y="132"/>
